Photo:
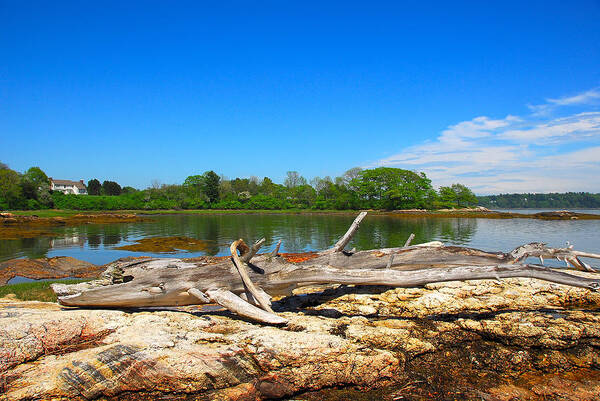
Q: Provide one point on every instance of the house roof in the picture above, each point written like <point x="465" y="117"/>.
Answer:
<point x="76" y="184"/>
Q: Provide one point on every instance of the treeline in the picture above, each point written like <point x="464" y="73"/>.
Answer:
<point x="568" y="200"/>
<point x="110" y="188"/>
<point x="30" y="190"/>
<point x="380" y="188"/>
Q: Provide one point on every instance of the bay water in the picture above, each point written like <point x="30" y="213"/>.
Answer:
<point x="97" y="243"/>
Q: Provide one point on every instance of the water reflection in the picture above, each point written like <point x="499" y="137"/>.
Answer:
<point x="212" y="233"/>
<point x="67" y="241"/>
<point x="96" y="243"/>
<point x="94" y="240"/>
<point x="25" y="247"/>
<point x="457" y="231"/>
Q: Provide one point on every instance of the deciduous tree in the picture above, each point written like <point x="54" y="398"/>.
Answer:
<point x="293" y="179"/>
<point x="11" y="195"/>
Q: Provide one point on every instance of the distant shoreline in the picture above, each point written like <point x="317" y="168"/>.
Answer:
<point x="37" y="217"/>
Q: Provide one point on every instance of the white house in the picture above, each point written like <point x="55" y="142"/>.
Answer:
<point x="68" y="187"/>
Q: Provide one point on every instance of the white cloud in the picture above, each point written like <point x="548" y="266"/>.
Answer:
<point x="514" y="154"/>
<point x="582" y="98"/>
<point x="589" y="97"/>
<point x="567" y="128"/>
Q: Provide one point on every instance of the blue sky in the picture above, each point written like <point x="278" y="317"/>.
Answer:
<point x="502" y="97"/>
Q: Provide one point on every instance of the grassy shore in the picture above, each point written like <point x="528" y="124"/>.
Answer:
<point x="34" y="290"/>
<point x="69" y="213"/>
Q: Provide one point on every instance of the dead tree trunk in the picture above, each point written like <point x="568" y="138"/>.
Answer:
<point x="245" y="283"/>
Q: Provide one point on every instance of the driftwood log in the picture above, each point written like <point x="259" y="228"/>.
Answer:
<point x="245" y="282"/>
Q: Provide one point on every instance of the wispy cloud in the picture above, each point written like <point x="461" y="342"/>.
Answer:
<point x="578" y="126"/>
<point x="515" y="154"/>
<point x="582" y="98"/>
<point x="589" y="97"/>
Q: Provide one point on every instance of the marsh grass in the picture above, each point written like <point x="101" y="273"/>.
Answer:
<point x="50" y="212"/>
<point x="35" y="290"/>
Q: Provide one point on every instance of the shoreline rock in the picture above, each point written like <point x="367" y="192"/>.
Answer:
<point x="518" y="339"/>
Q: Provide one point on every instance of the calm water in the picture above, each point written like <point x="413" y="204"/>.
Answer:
<point x="96" y="243"/>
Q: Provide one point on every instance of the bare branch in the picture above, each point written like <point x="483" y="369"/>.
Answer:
<point x="250" y="254"/>
<point x="341" y="244"/>
<point x="199" y="294"/>
<point x="240" y="266"/>
<point x="540" y="250"/>
<point x="235" y="304"/>
<point x="275" y="251"/>
<point x="586" y="254"/>
<point x="409" y="240"/>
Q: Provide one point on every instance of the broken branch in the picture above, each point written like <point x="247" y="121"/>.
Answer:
<point x="250" y="254"/>
<point x="409" y="240"/>
<point x="262" y="300"/>
<point x="341" y="244"/>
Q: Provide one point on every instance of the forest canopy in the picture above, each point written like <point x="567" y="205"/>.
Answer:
<point x="383" y="188"/>
<point x="582" y="200"/>
<point x="379" y="188"/>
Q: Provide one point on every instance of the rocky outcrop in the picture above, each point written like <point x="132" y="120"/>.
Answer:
<point x="519" y="339"/>
<point x="46" y="268"/>
<point x="10" y="219"/>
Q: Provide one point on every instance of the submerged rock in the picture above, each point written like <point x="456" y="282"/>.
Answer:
<point x="166" y="245"/>
<point x="46" y="268"/>
<point x="519" y="339"/>
<point x="9" y="219"/>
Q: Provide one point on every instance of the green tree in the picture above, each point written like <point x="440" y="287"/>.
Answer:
<point x="393" y="188"/>
<point x="33" y="182"/>
<point x="293" y="179"/>
<point x="464" y="196"/>
<point x="240" y="185"/>
<point x="45" y="198"/>
<point x="111" y="188"/>
<point x="349" y="175"/>
<point x="128" y="190"/>
<point x="447" y="197"/>
<point x="193" y="184"/>
<point x="11" y="195"/>
<point x="28" y="189"/>
<point x="226" y="191"/>
<point x="37" y="177"/>
<point x="211" y="186"/>
<point x="266" y="187"/>
<point x="94" y="187"/>
<point x="456" y="195"/>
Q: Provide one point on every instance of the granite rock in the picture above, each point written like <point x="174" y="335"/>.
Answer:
<point x="518" y="339"/>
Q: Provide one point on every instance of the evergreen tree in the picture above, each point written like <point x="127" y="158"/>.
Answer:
<point x="111" y="188"/>
<point x="211" y="186"/>
<point x="94" y="187"/>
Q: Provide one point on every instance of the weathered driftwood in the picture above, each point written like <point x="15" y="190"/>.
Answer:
<point x="245" y="283"/>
